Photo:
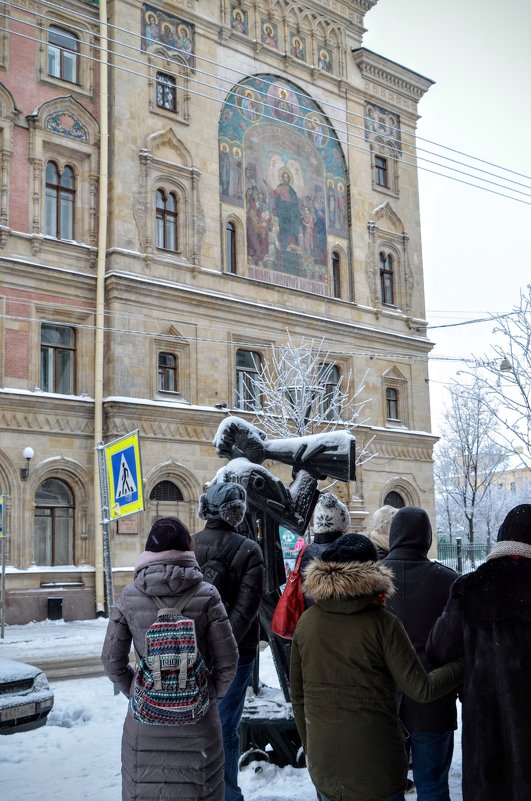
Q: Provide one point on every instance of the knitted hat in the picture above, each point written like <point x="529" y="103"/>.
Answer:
<point x="223" y="500"/>
<point x="517" y="525"/>
<point x="330" y="515"/>
<point x="381" y="524"/>
<point x="350" y="548"/>
<point x="168" y="534"/>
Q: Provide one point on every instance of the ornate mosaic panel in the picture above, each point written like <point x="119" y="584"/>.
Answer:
<point x="281" y="162"/>
<point x="65" y="124"/>
<point x="171" y="32"/>
<point x="269" y="33"/>
<point x="239" y="19"/>
<point x="380" y="123"/>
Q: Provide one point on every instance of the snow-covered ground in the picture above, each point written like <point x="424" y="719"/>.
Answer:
<point x="76" y="756"/>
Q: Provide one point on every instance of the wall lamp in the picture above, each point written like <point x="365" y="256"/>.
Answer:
<point x="27" y="453"/>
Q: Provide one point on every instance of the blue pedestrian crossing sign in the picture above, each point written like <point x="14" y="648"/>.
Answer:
<point x="124" y="474"/>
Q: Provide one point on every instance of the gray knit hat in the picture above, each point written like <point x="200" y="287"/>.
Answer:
<point x="330" y="515"/>
<point x="223" y="500"/>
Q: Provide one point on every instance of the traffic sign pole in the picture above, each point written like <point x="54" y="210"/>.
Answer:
<point x="104" y="495"/>
<point x="3" y="534"/>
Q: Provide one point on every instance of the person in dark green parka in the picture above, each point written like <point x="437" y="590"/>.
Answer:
<point x="349" y="657"/>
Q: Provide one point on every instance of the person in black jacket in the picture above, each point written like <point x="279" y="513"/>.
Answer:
<point x="487" y="622"/>
<point x="223" y="507"/>
<point x="422" y="590"/>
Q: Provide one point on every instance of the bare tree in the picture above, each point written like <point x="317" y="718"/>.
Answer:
<point x="504" y="379"/>
<point x="467" y="460"/>
<point x="301" y="392"/>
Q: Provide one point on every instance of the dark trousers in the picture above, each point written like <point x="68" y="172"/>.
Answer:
<point x="431" y="756"/>
<point x="230" y="712"/>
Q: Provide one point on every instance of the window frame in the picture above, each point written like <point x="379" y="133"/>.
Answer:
<point x="328" y="410"/>
<point x="245" y="397"/>
<point x="336" y="274"/>
<point x="61" y="193"/>
<point x="231" y="248"/>
<point x="54" y="359"/>
<point x="62" y="75"/>
<point x="387" y="277"/>
<point x="392" y="404"/>
<point x="167" y="220"/>
<point x="166" y="83"/>
<point x="381" y="171"/>
<point x="166" y="370"/>
<point x="53" y="517"/>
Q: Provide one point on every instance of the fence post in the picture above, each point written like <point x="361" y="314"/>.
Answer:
<point x="459" y="544"/>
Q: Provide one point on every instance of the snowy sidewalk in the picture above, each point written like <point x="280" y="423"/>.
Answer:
<point x="76" y="756"/>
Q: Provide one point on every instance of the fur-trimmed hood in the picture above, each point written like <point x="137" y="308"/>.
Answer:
<point x="341" y="581"/>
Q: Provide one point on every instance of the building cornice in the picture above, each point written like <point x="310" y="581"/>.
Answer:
<point x="391" y="76"/>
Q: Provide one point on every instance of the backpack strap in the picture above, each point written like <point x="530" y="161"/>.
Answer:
<point x="179" y="604"/>
<point x="227" y="554"/>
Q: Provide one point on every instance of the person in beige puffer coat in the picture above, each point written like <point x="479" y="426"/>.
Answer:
<point x="177" y="762"/>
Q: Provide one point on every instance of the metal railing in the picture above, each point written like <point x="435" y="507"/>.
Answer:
<point x="462" y="556"/>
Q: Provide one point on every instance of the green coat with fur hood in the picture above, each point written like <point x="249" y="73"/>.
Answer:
<point x="349" y="655"/>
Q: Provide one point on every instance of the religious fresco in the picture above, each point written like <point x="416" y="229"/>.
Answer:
<point x="325" y="60"/>
<point x="169" y="31"/>
<point x="298" y="46"/>
<point x="239" y="21"/>
<point x="280" y="161"/>
<point x="382" y="124"/>
<point x="269" y="32"/>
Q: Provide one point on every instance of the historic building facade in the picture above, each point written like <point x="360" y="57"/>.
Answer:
<point x="184" y="184"/>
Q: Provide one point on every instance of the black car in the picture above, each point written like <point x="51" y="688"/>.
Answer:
<point x="25" y="696"/>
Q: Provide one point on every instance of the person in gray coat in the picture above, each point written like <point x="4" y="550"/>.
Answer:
<point x="177" y="762"/>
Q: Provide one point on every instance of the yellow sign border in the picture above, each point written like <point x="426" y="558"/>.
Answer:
<point x="116" y="511"/>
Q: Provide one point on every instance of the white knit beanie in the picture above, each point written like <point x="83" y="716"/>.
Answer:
<point x="330" y="515"/>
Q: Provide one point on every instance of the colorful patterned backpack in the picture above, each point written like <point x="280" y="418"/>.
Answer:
<point x="170" y="687"/>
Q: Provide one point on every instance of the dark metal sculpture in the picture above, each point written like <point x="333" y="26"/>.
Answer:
<point x="270" y="504"/>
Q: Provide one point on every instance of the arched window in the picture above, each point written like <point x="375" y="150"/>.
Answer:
<point x="248" y="368"/>
<point x="54" y="523"/>
<point x="167" y="372"/>
<point x="57" y="372"/>
<point x="166" y="92"/>
<point x="60" y="202"/>
<point x="391" y="403"/>
<point x="336" y="275"/>
<point x="386" y="278"/>
<point x="63" y="54"/>
<point x="167" y="218"/>
<point x="330" y="378"/>
<point x="166" y="491"/>
<point x="230" y="247"/>
<point x="394" y="499"/>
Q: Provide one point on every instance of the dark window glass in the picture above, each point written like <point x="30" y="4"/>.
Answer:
<point x="166" y="92"/>
<point x="394" y="499"/>
<point x="386" y="279"/>
<point x="166" y="491"/>
<point x="230" y="247"/>
<point x="57" y="359"/>
<point x="63" y="54"/>
<point x="391" y="401"/>
<point x="330" y="378"/>
<point x="336" y="275"/>
<point x="167" y="372"/>
<point x="54" y="523"/>
<point x="248" y="367"/>
<point x="59" y="204"/>
<point x="380" y="169"/>
<point x="166" y="221"/>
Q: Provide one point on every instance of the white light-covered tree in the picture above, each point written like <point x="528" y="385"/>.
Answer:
<point x="504" y="378"/>
<point x="300" y="391"/>
<point x="467" y="461"/>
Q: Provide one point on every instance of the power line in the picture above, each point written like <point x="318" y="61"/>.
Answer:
<point x="300" y="116"/>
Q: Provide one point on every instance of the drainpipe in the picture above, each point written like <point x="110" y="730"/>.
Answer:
<point x="100" y="304"/>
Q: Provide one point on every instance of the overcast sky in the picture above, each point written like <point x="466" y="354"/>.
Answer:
<point x="475" y="244"/>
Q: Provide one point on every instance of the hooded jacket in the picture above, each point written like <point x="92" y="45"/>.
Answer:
<point x="422" y="590"/>
<point x="178" y="762"/>
<point x="488" y="622"/>
<point x="247" y="580"/>
<point x="348" y="656"/>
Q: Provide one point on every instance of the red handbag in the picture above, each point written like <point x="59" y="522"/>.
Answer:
<point x="290" y="605"/>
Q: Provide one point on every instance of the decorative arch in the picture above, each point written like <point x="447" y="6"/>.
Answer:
<point x="281" y="162"/>
<point x="386" y="232"/>
<point x="404" y="488"/>
<point x="190" y="489"/>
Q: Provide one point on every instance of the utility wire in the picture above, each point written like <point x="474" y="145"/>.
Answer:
<point x="341" y="131"/>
